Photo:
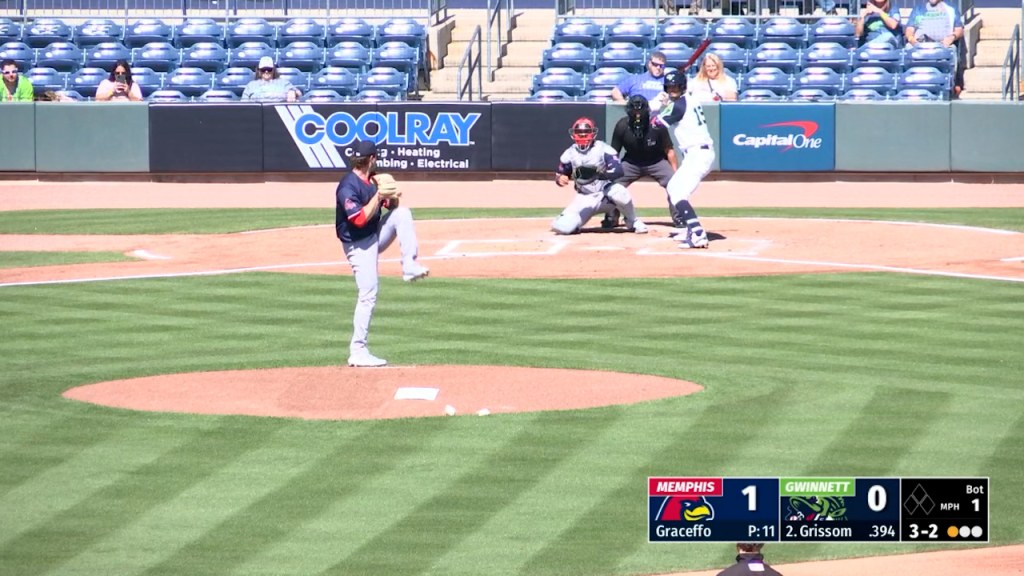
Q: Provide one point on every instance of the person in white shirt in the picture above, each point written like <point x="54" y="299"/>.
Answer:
<point x="712" y="84"/>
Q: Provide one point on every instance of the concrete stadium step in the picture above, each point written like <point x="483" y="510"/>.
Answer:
<point x="983" y="79"/>
<point x="991" y="52"/>
<point x="972" y="95"/>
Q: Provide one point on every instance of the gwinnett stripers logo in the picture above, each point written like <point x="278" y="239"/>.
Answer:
<point x="804" y="139"/>
<point x="816" y="508"/>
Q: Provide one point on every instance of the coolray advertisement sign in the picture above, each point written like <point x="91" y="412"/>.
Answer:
<point x="410" y="136"/>
<point x="778" y="137"/>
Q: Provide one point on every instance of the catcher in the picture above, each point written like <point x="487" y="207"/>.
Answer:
<point x="593" y="166"/>
<point x="367" y="219"/>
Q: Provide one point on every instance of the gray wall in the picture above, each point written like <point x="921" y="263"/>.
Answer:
<point x="893" y="137"/>
<point x="101" y="137"/>
<point x="18" y="143"/>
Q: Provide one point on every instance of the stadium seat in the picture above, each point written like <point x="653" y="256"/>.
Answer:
<point x="581" y="30"/>
<point x="397" y="55"/>
<point x="304" y="55"/>
<point x="105" y="54"/>
<point x="408" y="30"/>
<point x="833" y="29"/>
<point x="549" y="95"/>
<point x="565" y="79"/>
<point x="322" y="95"/>
<point x="97" y="30"/>
<point x="927" y="78"/>
<point x="932" y="54"/>
<point x="676" y="53"/>
<point x="250" y="29"/>
<point x="819" y="78"/>
<point x="351" y="30"/>
<point x="830" y="54"/>
<point x="218" y="95"/>
<point x="44" y="78"/>
<point x="195" y="30"/>
<point x="874" y="77"/>
<point x="86" y="80"/>
<point x="738" y="31"/>
<point x="208" y="56"/>
<point x="633" y="30"/>
<point x="734" y="57"/>
<point x="341" y="80"/>
<point x="62" y="56"/>
<point x="377" y="95"/>
<point x="160" y="56"/>
<point x="767" y="78"/>
<point x="148" y="80"/>
<point x="297" y="77"/>
<point x="23" y="55"/>
<point x="606" y="78"/>
<point x="568" y="55"/>
<point x="597" y="95"/>
<point x="301" y="30"/>
<point x="784" y="29"/>
<point x="881" y="55"/>
<point x="862" y="94"/>
<point x="146" y="30"/>
<point x="248" y="54"/>
<point x="620" y="55"/>
<point x="349" y="54"/>
<point x="811" y="95"/>
<point x="167" y="95"/>
<point x="777" y="54"/>
<point x="190" y="81"/>
<point x="760" y="95"/>
<point x="45" y="31"/>
<point x="685" y="29"/>
<point x="382" y="78"/>
<point x="916" y="94"/>
<point x="10" y="31"/>
<point x="234" y="79"/>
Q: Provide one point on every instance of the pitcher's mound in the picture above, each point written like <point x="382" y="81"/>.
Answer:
<point x="330" y="393"/>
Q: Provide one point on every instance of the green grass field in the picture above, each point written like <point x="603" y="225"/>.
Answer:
<point x="832" y="374"/>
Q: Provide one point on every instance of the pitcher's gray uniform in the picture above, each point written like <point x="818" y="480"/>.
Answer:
<point x="593" y="166"/>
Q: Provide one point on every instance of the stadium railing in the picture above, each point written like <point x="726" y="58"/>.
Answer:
<point x="496" y="9"/>
<point x="1011" y="67"/>
<point x="470" y="65"/>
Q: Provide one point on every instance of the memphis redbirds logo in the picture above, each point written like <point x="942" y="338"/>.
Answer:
<point x="685" y="509"/>
<point x="804" y="139"/>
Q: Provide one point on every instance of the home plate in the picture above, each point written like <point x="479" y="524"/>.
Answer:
<point x="416" y="393"/>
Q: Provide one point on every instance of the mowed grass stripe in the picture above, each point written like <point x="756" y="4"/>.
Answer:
<point x="1006" y="506"/>
<point x="467" y="503"/>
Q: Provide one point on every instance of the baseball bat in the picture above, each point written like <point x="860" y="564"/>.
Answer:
<point x="696" y="54"/>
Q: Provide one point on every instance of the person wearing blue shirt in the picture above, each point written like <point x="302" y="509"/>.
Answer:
<point x="878" y="23"/>
<point x="648" y="84"/>
<point x="936" y="21"/>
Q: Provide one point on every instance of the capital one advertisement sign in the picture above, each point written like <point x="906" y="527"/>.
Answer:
<point x="778" y="137"/>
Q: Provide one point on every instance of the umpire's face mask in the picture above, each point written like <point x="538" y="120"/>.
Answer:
<point x="639" y="113"/>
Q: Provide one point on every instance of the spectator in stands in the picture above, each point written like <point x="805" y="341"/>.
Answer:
<point x="54" y="96"/>
<point x="828" y="7"/>
<point x="15" y="87"/>
<point x="749" y="560"/>
<point x="878" y="23"/>
<point x="119" y="86"/>
<point x="649" y="84"/>
<point x="269" y="86"/>
<point x="712" y="84"/>
<point x="936" y="21"/>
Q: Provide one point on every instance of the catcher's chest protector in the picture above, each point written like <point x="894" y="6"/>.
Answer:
<point x="594" y="158"/>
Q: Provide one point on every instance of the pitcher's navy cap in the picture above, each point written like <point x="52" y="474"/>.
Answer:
<point x="364" y="148"/>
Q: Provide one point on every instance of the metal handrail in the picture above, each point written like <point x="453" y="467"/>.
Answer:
<point x="471" y="65"/>
<point x="494" y="14"/>
<point x="1011" y="67"/>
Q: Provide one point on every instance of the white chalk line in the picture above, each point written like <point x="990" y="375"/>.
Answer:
<point x="147" y="255"/>
<point x="1017" y="259"/>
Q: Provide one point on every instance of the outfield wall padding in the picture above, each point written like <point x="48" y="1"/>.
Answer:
<point x="530" y="136"/>
<point x="893" y="136"/>
<point x="206" y="137"/>
<point x="100" y="137"/>
<point x="18" y="144"/>
<point x="987" y="136"/>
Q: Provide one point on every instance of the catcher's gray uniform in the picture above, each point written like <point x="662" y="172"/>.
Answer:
<point x="594" y="172"/>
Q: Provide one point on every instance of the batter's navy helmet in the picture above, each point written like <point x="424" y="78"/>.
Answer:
<point x="676" y="80"/>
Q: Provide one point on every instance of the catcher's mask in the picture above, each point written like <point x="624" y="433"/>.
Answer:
<point x="583" y="133"/>
<point x="639" y="113"/>
<point x="675" y="84"/>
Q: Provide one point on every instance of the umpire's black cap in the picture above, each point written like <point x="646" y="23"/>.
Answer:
<point x="364" y="148"/>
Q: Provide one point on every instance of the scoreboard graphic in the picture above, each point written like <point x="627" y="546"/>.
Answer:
<point x="816" y="509"/>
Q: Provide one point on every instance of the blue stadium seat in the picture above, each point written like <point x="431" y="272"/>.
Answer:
<point x="248" y="54"/>
<point x="620" y="55"/>
<point x="396" y="54"/>
<point x="597" y="95"/>
<point x="917" y="95"/>
<point x="685" y="29"/>
<point x="234" y="79"/>
<point x="676" y="53"/>
<point x="63" y="56"/>
<point x="777" y="54"/>
<point x="568" y="55"/>
<point x="148" y="79"/>
<point x="565" y="79"/>
<point x="304" y="55"/>
<point x="734" y="57"/>
<point x="377" y="95"/>
<point x="167" y="95"/>
<point x="44" y="78"/>
<point x="195" y="30"/>
<point x="297" y="77"/>
<point x="10" y="31"/>
<point x="322" y="95"/>
<point x="160" y="56"/>
<point x="190" y="81"/>
<point x="932" y="54"/>
<point x="549" y="95"/>
<point x="45" y="31"/>
<point x="767" y="78"/>
<point x="105" y="54"/>
<point x="819" y="78"/>
<point x="351" y="30"/>
<point x="349" y="54"/>
<point x="208" y="56"/>
<point x="739" y="31"/>
<point x="582" y="30"/>
<point x="874" y="77"/>
<point x="250" y="29"/>
<point x="301" y="30"/>
<point x="146" y="30"/>
<point x="218" y="95"/>
<point x="927" y="78"/>
<point x="784" y="29"/>
<point x="96" y="30"/>
<point x="86" y="80"/>
<point x="341" y="80"/>
<point x="387" y="79"/>
<point x="23" y="55"/>
<point x="633" y="30"/>
<point x="606" y="78"/>
<point x="811" y="95"/>
<point x="830" y="54"/>
<point x="408" y="30"/>
<point x="862" y="94"/>
<point x="881" y="55"/>
<point x="760" y="95"/>
<point x="833" y="29"/>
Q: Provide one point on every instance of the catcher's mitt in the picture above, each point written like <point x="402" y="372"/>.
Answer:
<point x="586" y="173"/>
<point x="387" y="187"/>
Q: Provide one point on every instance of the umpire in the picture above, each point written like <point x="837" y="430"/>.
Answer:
<point x="648" y="151"/>
<point x="749" y="560"/>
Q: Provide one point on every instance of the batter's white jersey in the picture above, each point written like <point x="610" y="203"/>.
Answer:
<point x="690" y="130"/>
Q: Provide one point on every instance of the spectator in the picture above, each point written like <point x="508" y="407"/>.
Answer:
<point x="269" y="86"/>
<point x="649" y="84"/>
<point x="828" y="7"/>
<point x="878" y="23"/>
<point x="119" y="86"/>
<point x="712" y="84"/>
<point x="15" y="87"/>
<point x="54" y="96"/>
<point x="749" y="560"/>
<point x="936" y="21"/>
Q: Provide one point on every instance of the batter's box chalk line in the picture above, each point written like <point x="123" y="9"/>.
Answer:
<point x="1017" y="259"/>
<point x="452" y="248"/>
<point x="754" y="248"/>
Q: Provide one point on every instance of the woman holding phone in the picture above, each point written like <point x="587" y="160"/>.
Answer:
<point x="119" y="85"/>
